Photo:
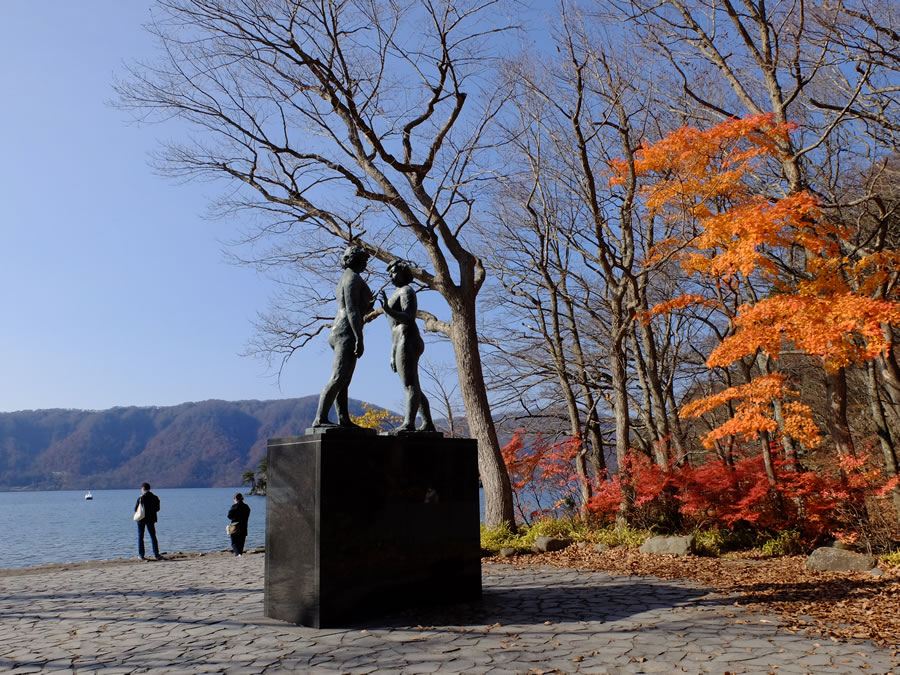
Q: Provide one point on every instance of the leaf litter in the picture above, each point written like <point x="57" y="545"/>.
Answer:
<point x="841" y="606"/>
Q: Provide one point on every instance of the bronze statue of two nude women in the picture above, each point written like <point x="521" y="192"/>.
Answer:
<point x="354" y="301"/>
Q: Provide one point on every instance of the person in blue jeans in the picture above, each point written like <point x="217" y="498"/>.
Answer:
<point x="151" y="507"/>
<point x="239" y="514"/>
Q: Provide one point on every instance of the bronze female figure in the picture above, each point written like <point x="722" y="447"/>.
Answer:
<point x="407" y="344"/>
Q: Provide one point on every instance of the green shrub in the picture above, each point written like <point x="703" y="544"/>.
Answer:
<point x="787" y="542"/>
<point x="891" y="559"/>
<point x="717" y="541"/>
<point x="493" y="539"/>
<point x="568" y="528"/>
<point x="614" y="536"/>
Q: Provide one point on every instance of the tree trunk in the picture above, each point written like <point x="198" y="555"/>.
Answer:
<point x="766" y="449"/>
<point x="584" y="480"/>
<point x="623" y="422"/>
<point x="575" y="432"/>
<point x="645" y="411"/>
<point x="890" y="377"/>
<point x="596" y="457"/>
<point x="498" y="503"/>
<point x="591" y="423"/>
<point x="681" y="455"/>
<point x="790" y="449"/>
<point x="562" y="374"/>
<point x="888" y="450"/>
<point x="836" y="390"/>
<point x="650" y="363"/>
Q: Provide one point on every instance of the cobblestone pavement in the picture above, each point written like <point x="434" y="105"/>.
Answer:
<point x="205" y="615"/>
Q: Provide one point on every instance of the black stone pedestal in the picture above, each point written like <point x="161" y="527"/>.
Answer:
<point x="358" y="526"/>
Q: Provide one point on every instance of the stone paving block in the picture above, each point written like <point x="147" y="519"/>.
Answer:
<point x="814" y="660"/>
<point x="507" y="632"/>
<point x="426" y="667"/>
<point x="794" y="669"/>
<point x="647" y="667"/>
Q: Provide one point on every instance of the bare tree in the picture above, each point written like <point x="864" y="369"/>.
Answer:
<point x="542" y="343"/>
<point x="440" y="389"/>
<point x="346" y="120"/>
<point x="584" y="247"/>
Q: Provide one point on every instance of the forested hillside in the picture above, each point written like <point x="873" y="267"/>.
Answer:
<point x="205" y="444"/>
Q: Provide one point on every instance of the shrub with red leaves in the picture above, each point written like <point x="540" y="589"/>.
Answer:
<point x="542" y="476"/>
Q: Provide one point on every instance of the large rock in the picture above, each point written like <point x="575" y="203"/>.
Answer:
<point x="671" y="545"/>
<point x="827" y="559"/>
<point x="544" y="544"/>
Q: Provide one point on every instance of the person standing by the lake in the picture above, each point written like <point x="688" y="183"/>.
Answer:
<point x="151" y="506"/>
<point x="239" y="514"/>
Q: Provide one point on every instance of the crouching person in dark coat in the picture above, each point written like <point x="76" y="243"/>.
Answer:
<point x="238" y="514"/>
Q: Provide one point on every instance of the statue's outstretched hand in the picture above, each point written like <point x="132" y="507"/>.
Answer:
<point x="383" y="298"/>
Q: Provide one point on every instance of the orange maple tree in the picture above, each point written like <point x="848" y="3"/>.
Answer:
<point x="817" y="301"/>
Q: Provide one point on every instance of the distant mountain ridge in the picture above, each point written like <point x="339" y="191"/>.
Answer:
<point x="204" y="444"/>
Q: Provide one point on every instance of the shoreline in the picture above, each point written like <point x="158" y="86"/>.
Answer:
<point x="108" y="562"/>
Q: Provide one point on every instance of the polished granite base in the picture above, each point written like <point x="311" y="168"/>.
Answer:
<point x="336" y="430"/>
<point x="359" y="526"/>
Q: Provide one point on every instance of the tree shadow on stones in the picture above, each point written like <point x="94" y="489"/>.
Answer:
<point x="809" y="591"/>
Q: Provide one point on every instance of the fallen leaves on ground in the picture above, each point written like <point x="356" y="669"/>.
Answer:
<point x="837" y="605"/>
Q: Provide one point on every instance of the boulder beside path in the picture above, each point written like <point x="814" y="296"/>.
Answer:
<point x="670" y="545"/>
<point x="544" y="544"/>
<point x="827" y="559"/>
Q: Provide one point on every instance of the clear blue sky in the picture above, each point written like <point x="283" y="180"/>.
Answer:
<point x="114" y="287"/>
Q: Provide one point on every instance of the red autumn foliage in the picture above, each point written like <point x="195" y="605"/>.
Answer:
<point x="830" y="501"/>
<point x="542" y="475"/>
<point x="822" y="503"/>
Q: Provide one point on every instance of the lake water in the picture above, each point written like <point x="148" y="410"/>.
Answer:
<point x="63" y="526"/>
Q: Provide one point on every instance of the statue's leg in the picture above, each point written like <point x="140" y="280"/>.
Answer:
<point x="326" y="399"/>
<point x="412" y="408"/>
<point x="425" y="409"/>
<point x="406" y="371"/>
<point x="341" y="403"/>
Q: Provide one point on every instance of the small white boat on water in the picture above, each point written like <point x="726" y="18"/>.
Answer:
<point x="89" y="495"/>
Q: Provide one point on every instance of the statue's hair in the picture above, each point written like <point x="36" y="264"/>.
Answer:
<point x="402" y="266"/>
<point x="353" y="252"/>
<point x="398" y="262"/>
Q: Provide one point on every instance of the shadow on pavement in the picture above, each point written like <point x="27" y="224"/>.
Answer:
<point x="554" y="603"/>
